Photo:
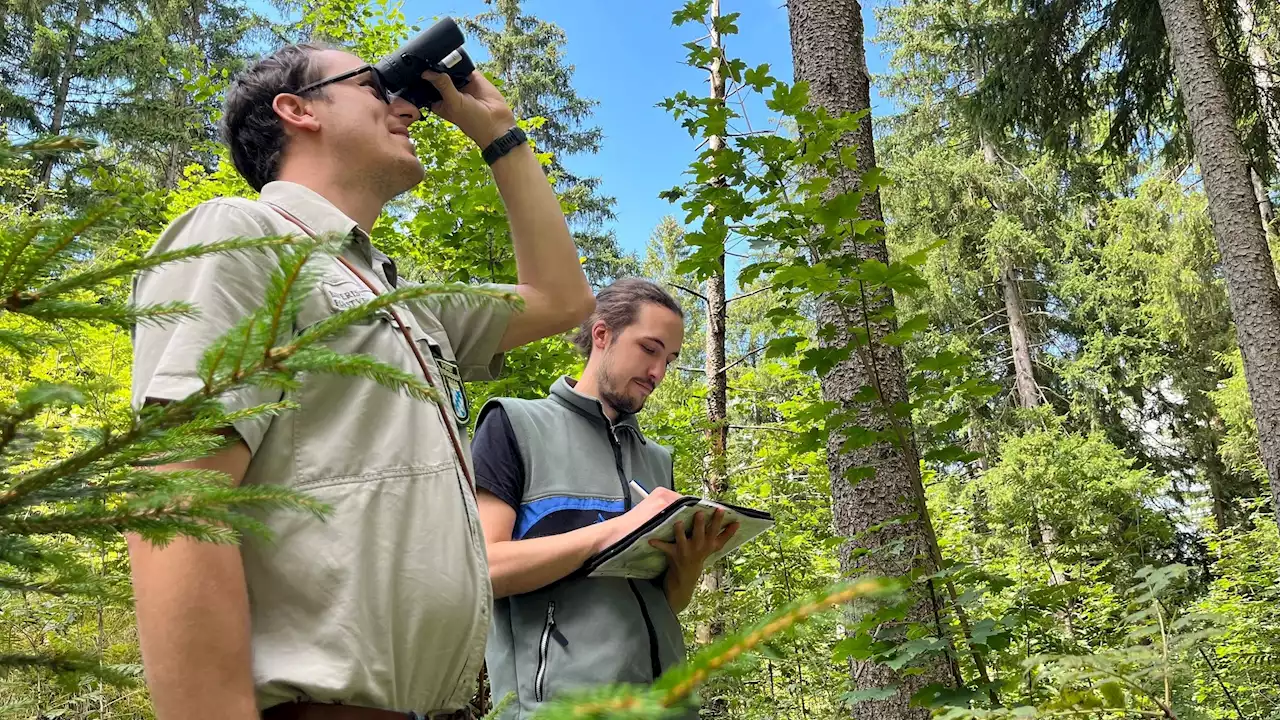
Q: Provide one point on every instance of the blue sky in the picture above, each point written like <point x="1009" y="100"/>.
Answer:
<point x="629" y="57"/>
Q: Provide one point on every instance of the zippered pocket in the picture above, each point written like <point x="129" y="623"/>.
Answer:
<point x="549" y="631"/>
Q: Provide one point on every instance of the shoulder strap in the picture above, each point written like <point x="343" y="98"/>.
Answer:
<point x="449" y="426"/>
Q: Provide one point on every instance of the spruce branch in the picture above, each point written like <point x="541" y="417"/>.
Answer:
<point x="24" y="344"/>
<point x="71" y="664"/>
<point x="52" y="248"/>
<point x="54" y="309"/>
<point x="126" y="268"/>
<point x="667" y="696"/>
<point x="16" y="244"/>
<point x="677" y="685"/>
<point x="45" y="146"/>
<point x="322" y="359"/>
<point x="501" y="707"/>
<point x="465" y="294"/>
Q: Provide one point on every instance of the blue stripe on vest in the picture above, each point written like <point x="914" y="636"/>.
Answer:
<point x="531" y="512"/>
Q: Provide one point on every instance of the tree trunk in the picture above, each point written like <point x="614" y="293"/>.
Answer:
<point x="714" y="481"/>
<point x="63" y="89"/>
<point x="828" y="52"/>
<point x="1262" y="77"/>
<point x="1023" y="370"/>
<point x="1265" y="209"/>
<point x="1237" y="225"/>
<point x="1015" y="309"/>
<point x="1257" y="57"/>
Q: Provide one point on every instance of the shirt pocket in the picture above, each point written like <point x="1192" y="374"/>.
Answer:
<point x="333" y="294"/>
<point x="445" y="375"/>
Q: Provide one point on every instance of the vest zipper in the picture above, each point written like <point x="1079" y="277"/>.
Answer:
<point x="544" y="646"/>
<point x="655" y="661"/>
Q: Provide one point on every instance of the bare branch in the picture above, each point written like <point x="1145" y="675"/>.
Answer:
<point x="740" y="360"/>
<point x="747" y="295"/>
<point x="694" y="293"/>
<point x="769" y="428"/>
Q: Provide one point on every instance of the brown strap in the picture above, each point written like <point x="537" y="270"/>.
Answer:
<point x="413" y="346"/>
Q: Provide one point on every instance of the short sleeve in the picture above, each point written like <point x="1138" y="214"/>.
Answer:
<point x="496" y="455"/>
<point x="223" y="287"/>
<point x="475" y="330"/>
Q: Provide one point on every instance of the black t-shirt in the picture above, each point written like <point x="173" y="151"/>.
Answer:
<point x="496" y="456"/>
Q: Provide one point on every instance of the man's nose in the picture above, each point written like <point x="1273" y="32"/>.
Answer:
<point x="657" y="373"/>
<point x="405" y="109"/>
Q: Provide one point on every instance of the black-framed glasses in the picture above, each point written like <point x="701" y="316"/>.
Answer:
<point x="376" y="81"/>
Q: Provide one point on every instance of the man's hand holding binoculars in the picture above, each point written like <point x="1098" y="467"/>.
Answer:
<point x="478" y="109"/>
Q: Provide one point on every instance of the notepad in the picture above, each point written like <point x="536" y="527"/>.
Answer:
<point x="634" y="557"/>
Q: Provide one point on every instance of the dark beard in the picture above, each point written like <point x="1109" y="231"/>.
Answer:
<point x="620" y="402"/>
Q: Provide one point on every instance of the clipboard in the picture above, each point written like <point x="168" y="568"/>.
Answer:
<point x="633" y="557"/>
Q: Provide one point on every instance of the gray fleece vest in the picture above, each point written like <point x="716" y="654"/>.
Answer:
<point x="579" y="631"/>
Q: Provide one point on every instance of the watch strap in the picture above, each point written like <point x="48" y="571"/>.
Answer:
<point x="505" y="143"/>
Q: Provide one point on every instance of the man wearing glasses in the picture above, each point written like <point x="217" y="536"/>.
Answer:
<point x="380" y="610"/>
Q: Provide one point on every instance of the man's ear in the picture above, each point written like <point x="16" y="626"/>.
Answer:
<point x="295" y="113"/>
<point x="600" y="335"/>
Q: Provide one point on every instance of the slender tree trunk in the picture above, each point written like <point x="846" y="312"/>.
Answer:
<point x="1019" y="338"/>
<point x="1262" y="78"/>
<point x="63" y="90"/>
<point x="715" y="481"/>
<point x="828" y="52"/>
<point x="1237" y="225"/>
<point x="1265" y="209"/>
<point x="1015" y="310"/>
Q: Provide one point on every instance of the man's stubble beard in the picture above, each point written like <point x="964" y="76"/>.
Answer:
<point x="407" y="176"/>
<point x="395" y="177"/>
<point x="617" y="399"/>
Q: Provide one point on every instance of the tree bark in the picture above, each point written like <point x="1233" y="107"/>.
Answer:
<point x="1237" y="225"/>
<point x="828" y="52"/>
<point x="1019" y="339"/>
<point x="1257" y="57"/>
<point x="1015" y="310"/>
<point x="1266" y="210"/>
<point x="715" y="480"/>
<point x="1262" y="77"/>
<point x="63" y="90"/>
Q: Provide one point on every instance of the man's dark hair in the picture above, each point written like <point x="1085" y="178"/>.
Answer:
<point x="618" y="304"/>
<point x="250" y="126"/>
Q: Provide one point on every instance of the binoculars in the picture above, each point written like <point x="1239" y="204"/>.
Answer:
<point x="438" y="48"/>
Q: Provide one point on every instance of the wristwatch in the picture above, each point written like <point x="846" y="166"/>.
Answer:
<point x="505" y="143"/>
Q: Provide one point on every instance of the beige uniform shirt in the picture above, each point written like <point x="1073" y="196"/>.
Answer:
<point x="386" y="602"/>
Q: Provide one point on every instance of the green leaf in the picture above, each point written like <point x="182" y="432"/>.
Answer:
<point x="858" y="647"/>
<point x="788" y="100"/>
<point x="874" y="179"/>
<point x="821" y="360"/>
<point x="1113" y="694"/>
<point x="784" y="346"/>
<point x="693" y="11"/>
<point x="758" y="78"/>
<point x="726" y="24"/>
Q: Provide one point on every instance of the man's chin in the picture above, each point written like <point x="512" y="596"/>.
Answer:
<point x="410" y="173"/>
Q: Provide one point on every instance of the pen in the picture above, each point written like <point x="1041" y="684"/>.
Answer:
<point x="636" y="486"/>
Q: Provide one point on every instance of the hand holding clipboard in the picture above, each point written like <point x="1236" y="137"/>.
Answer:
<point x="634" y="557"/>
